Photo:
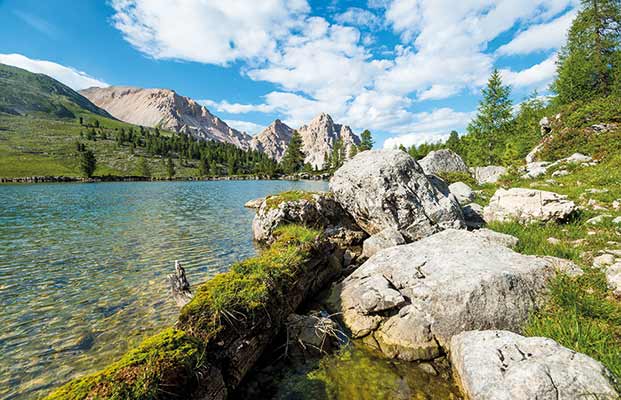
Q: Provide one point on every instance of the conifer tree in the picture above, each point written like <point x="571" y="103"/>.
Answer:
<point x="588" y="65"/>
<point x="366" y="141"/>
<point x="87" y="162"/>
<point x="493" y="123"/>
<point x="293" y="160"/>
<point x="143" y="167"/>
<point x="170" y="168"/>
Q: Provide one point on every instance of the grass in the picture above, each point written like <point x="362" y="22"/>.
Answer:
<point x="581" y="312"/>
<point x="32" y="146"/>
<point x="169" y="363"/>
<point x="293" y="195"/>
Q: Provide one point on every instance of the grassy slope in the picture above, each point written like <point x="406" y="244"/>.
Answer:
<point x="582" y="313"/>
<point x="42" y="146"/>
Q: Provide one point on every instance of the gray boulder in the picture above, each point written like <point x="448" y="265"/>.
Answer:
<point x="437" y="162"/>
<point x="389" y="237"/>
<point x="463" y="193"/>
<point x="489" y="174"/>
<point x="388" y="189"/>
<point x="255" y="203"/>
<point x="528" y="205"/>
<point x="413" y="298"/>
<point x="318" y="210"/>
<point x="613" y="277"/>
<point x="501" y="365"/>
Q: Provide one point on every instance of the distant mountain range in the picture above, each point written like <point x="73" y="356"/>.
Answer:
<point x="165" y="108"/>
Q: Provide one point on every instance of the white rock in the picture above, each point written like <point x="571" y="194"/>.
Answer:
<point x="453" y="281"/>
<point x="528" y="205"/>
<point x="532" y="156"/>
<point x="617" y="221"/>
<point x="560" y="172"/>
<point x="389" y="237"/>
<point x="255" y="203"/>
<point x="603" y="260"/>
<point x="388" y="189"/>
<point x="489" y="174"/>
<point x="496" y="237"/>
<point x="598" y="219"/>
<point x="554" y="241"/>
<point x="437" y="162"/>
<point x="613" y="276"/>
<point x="463" y="193"/>
<point x="536" y="169"/>
<point x="501" y="365"/>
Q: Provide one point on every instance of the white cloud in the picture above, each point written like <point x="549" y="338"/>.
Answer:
<point x="359" y="17"/>
<point x="551" y="35"/>
<point x="69" y="76"/>
<point x="414" y="139"/>
<point x="539" y="74"/>
<point x="245" y="126"/>
<point x="215" y="31"/>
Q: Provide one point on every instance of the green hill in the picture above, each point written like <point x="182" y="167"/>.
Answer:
<point x="25" y="93"/>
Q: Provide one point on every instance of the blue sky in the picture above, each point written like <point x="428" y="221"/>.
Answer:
<point x="408" y="70"/>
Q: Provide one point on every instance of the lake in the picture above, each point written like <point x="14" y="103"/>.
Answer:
<point x="83" y="267"/>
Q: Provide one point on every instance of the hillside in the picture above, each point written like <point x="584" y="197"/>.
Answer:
<point x="165" y="109"/>
<point x="25" y="93"/>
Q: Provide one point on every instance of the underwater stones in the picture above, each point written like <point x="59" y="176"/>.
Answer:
<point x="501" y="365"/>
<point x="528" y="205"/>
<point x="450" y="282"/>
<point x="387" y="189"/>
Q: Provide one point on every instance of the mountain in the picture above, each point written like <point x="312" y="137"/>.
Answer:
<point x="23" y="93"/>
<point x="273" y="140"/>
<point x="164" y="108"/>
<point x="319" y="137"/>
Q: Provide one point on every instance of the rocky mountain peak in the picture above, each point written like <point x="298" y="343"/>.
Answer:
<point x="164" y="108"/>
<point x="320" y="136"/>
<point x="273" y="140"/>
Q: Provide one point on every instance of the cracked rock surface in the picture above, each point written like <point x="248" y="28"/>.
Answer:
<point x="501" y="365"/>
<point x="413" y="298"/>
<point x="528" y="205"/>
<point x="387" y="189"/>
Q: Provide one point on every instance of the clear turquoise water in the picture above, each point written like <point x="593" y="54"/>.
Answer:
<point x="83" y="267"/>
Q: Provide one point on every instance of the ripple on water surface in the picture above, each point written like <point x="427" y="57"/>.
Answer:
<point x="83" y="267"/>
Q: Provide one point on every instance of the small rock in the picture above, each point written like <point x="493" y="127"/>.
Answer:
<point x="528" y="205"/>
<point x="598" y="219"/>
<point x="560" y="172"/>
<point x="387" y="238"/>
<point x="489" y="174"/>
<point x="462" y="192"/>
<point x="428" y="368"/>
<point x="595" y="191"/>
<point x="255" y="203"/>
<point x="613" y="276"/>
<point x="617" y="221"/>
<point x="616" y="204"/>
<point x="603" y="260"/>
<point x="554" y="241"/>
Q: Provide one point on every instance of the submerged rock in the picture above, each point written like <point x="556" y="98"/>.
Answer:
<point x="388" y="189"/>
<point x="501" y="365"/>
<point x="528" y="205"/>
<point x="413" y="298"/>
<point x="437" y="162"/>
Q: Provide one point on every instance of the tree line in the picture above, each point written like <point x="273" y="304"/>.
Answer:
<point x="588" y="71"/>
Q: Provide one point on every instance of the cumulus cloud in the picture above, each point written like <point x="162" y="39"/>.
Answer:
<point x="551" y="35"/>
<point x="359" y="17"/>
<point x="217" y="32"/>
<point x="245" y="126"/>
<point x="539" y="74"/>
<point x="71" y="77"/>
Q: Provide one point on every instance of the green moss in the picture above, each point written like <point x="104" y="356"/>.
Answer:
<point x="162" y="363"/>
<point x="293" y="195"/>
<point x="249" y="285"/>
<point x="452" y="177"/>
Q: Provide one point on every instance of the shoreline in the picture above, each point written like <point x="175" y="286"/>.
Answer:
<point x="114" y="178"/>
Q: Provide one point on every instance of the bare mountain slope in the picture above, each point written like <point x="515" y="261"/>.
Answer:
<point x="166" y="109"/>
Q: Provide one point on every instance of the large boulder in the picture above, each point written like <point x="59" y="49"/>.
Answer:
<point x="412" y="299"/>
<point x="441" y="161"/>
<point x="389" y="237"/>
<point x="388" y="189"/>
<point x="318" y="210"/>
<point x="501" y="365"/>
<point x="489" y="174"/>
<point x="462" y="192"/>
<point x="528" y="205"/>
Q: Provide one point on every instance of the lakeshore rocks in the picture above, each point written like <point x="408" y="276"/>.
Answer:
<point x="255" y="203"/>
<point x="389" y="237"/>
<point x="388" y="189"/>
<point x="437" y="162"/>
<point x="528" y="205"/>
<point x="501" y="365"/>
<point x="412" y="299"/>
<point x="489" y="174"/>
<point x="463" y="193"/>
<point x="312" y="209"/>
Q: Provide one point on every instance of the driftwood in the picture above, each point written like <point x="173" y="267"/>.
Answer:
<point x="180" y="286"/>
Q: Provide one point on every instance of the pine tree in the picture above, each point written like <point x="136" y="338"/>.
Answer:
<point x="170" y="168"/>
<point x="143" y="168"/>
<point x="338" y="154"/>
<point x="87" y="162"/>
<point x="453" y="143"/>
<point x="293" y="160"/>
<point x="366" y="141"/>
<point x="203" y="167"/>
<point x="588" y="65"/>
<point x="353" y="150"/>
<point x="493" y="123"/>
